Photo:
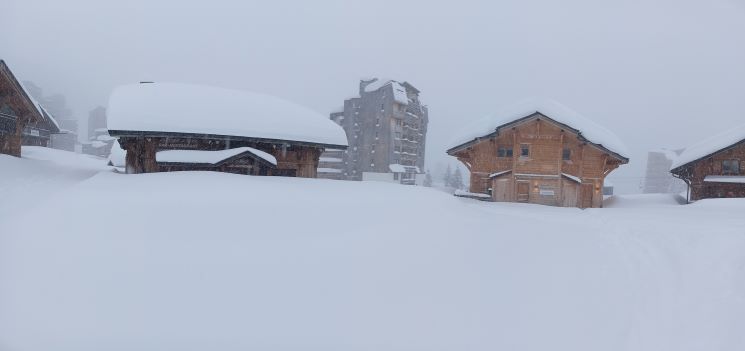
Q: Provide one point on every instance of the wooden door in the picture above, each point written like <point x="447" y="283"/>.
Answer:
<point x="523" y="191"/>
<point x="586" y="196"/>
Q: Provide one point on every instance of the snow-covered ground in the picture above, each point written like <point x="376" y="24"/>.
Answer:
<point x="95" y="260"/>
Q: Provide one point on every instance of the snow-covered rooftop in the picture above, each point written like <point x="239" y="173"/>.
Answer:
<point x="724" y="179"/>
<point x="710" y="145"/>
<point x="399" y="91"/>
<point x="187" y="108"/>
<point x="550" y="108"/>
<point x="209" y="157"/>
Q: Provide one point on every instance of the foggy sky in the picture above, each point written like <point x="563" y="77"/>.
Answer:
<point x="662" y="74"/>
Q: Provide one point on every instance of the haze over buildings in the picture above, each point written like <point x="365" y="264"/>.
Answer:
<point x="636" y="67"/>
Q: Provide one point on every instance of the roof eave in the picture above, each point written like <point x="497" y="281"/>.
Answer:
<point x="137" y="133"/>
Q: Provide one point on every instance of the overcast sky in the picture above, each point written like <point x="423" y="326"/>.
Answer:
<point x="658" y="73"/>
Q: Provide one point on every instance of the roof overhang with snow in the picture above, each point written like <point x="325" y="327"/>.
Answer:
<point x="170" y="109"/>
<point x="536" y="116"/>
<point x="39" y="114"/>
<point x="708" y="147"/>
<point x="214" y="158"/>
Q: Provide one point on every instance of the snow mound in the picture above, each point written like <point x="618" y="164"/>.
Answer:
<point x="550" y="108"/>
<point x="186" y="108"/>
<point x="709" y="146"/>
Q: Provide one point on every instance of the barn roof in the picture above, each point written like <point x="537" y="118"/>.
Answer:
<point x="709" y="146"/>
<point x="153" y="108"/>
<point x="552" y="110"/>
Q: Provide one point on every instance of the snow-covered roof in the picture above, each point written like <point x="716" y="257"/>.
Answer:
<point x="549" y="108"/>
<point x="497" y="174"/>
<point x="574" y="178"/>
<point x="209" y="157"/>
<point x="187" y="108"/>
<point x="709" y="146"/>
<point x="397" y="168"/>
<point x="725" y="179"/>
<point x="328" y="170"/>
<point x="399" y="91"/>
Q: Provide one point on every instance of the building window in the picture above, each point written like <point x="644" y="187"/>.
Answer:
<point x="504" y="151"/>
<point x="566" y="154"/>
<point x="524" y="150"/>
<point x="395" y="176"/>
<point x="731" y="167"/>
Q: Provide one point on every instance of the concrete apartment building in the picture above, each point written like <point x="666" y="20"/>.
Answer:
<point x="386" y="126"/>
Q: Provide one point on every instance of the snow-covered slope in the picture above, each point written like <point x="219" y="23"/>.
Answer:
<point x="196" y="261"/>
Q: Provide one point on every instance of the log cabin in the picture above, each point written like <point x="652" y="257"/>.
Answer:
<point x="23" y="121"/>
<point x="149" y="118"/>
<point x="714" y="167"/>
<point x="539" y="152"/>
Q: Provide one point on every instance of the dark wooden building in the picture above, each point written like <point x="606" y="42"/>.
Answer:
<point x="715" y="167"/>
<point x="242" y="160"/>
<point x="151" y="117"/>
<point x="23" y="121"/>
<point x="539" y="152"/>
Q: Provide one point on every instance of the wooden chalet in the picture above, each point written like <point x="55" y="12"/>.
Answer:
<point x="150" y="118"/>
<point x="23" y="121"/>
<point x="539" y="152"/>
<point x="715" y="167"/>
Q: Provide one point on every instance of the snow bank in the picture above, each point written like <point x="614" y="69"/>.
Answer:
<point x="552" y="109"/>
<point x="185" y="108"/>
<point x="203" y="263"/>
<point x="210" y="157"/>
<point x="709" y="146"/>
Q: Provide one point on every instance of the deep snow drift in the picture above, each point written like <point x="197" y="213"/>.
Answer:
<point x="200" y="260"/>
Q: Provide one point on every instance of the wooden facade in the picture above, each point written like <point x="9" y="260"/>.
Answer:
<point x="538" y="160"/>
<point x="718" y="175"/>
<point x="294" y="159"/>
<point x="243" y="163"/>
<point x="22" y="120"/>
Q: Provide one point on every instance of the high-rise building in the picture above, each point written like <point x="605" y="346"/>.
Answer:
<point x="386" y="126"/>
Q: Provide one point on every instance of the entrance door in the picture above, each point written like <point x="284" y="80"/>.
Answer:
<point x="586" y="196"/>
<point x="523" y="191"/>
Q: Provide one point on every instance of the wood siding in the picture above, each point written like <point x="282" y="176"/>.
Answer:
<point x="540" y="172"/>
<point x="695" y="172"/>
<point x="292" y="160"/>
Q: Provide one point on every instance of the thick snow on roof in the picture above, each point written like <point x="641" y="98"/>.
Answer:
<point x="710" y="145"/>
<point x="399" y="93"/>
<point x="211" y="157"/>
<point x="396" y="168"/>
<point x="724" y="179"/>
<point x="186" y="108"/>
<point x="550" y="108"/>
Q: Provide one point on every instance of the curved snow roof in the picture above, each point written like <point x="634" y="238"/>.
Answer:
<point x="709" y="146"/>
<point x="195" y="109"/>
<point x="549" y="108"/>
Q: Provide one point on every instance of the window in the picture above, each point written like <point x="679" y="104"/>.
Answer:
<point x="504" y="151"/>
<point x="731" y="167"/>
<point x="524" y="150"/>
<point x="566" y="154"/>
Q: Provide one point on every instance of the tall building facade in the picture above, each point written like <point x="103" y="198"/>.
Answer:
<point x="657" y="178"/>
<point x="386" y="126"/>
